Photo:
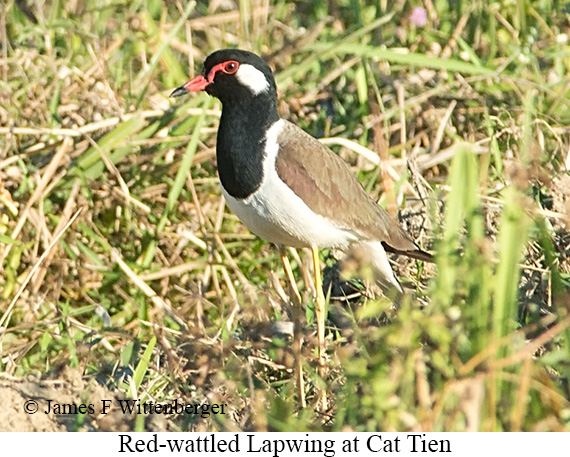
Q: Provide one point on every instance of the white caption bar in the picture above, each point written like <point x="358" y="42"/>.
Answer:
<point x="286" y="444"/>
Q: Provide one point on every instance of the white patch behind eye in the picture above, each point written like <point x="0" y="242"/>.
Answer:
<point x="252" y="78"/>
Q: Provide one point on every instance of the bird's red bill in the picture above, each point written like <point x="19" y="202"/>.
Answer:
<point x="194" y="85"/>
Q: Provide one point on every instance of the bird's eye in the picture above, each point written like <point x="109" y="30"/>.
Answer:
<point x="230" y="67"/>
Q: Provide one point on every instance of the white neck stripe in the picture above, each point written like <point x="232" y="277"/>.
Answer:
<point x="252" y="78"/>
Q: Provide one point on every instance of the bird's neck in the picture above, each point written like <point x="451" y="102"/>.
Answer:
<point x="241" y="143"/>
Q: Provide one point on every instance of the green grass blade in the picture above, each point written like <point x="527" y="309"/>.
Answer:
<point x="512" y="237"/>
<point x="413" y="59"/>
<point x="143" y="364"/>
<point x="109" y="142"/>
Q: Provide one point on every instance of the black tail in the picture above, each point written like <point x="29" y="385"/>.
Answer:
<point x="417" y="254"/>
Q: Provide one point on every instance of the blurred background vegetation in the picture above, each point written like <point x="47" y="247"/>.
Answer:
<point x="119" y="259"/>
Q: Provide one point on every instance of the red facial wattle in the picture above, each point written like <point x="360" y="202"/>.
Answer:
<point x="229" y="67"/>
<point x="200" y="82"/>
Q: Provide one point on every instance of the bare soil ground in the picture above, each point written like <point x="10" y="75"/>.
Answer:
<point x="21" y="397"/>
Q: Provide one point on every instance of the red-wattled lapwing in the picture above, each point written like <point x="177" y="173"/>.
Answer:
<point x="286" y="186"/>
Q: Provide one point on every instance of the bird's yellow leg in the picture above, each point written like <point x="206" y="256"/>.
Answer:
<point x="297" y="335"/>
<point x="320" y="305"/>
<point x="289" y="275"/>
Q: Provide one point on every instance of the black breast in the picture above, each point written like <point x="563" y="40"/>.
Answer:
<point x="240" y="148"/>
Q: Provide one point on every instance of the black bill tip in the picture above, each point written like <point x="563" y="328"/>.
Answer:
<point x="178" y="92"/>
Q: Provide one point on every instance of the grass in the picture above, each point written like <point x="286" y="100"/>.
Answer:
<point x="119" y="257"/>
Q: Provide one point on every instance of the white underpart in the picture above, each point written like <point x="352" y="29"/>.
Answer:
<point x="375" y="254"/>
<point x="252" y="78"/>
<point x="276" y="214"/>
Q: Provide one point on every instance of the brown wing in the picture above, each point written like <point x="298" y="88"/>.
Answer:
<point x="328" y="186"/>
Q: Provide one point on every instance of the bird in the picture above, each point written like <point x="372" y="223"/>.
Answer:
<point x="285" y="185"/>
